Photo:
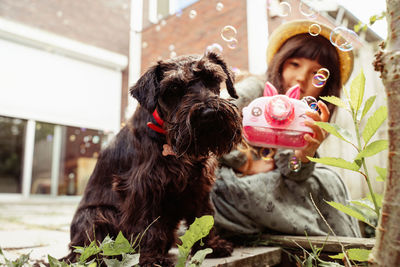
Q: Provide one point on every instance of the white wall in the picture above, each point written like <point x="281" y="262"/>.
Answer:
<point x="41" y="85"/>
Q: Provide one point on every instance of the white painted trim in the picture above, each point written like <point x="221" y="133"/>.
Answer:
<point x="28" y="158"/>
<point x="56" y="159"/>
<point x="54" y="43"/>
<point x="153" y="16"/>
<point x="135" y="51"/>
<point x="257" y="35"/>
<point x="173" y="6"/>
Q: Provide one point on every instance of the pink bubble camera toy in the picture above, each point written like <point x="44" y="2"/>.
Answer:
<point x="277" y="121"/>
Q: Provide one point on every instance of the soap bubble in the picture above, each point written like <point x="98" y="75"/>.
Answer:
<point x="308" y="11"/>
<point x="294" y="164"/>
<point x="319" y="80"/>
<point x="232" y="44"/>
<point x="325" y="72"/>
<point x="343" y="38"/>
<point x="171" y="47"/>
<point x="314" y="29"/>
<point x="314" y="106"/>
<point x="285" y="9"/>
<point x="215" y="47"/>
<point x="96" y="139"/>
<point x="179" y="13"/>
<point x="192" y="14"/>
<point x="219" y="6"/>
<point x="172" y="54"/>
<point x="236" y="71"/>
<point x="72" y="138"/>
<point x="311" y="102"/>
<point x="228" y="33"/>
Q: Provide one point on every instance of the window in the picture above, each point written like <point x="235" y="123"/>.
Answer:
<point x="64" y="158"/>
<point x="159" y="9"/>
<point x="80" y="150"/>
<point x="12" y="139"/>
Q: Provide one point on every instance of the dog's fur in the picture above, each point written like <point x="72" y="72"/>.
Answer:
<point x="134" y="186"/>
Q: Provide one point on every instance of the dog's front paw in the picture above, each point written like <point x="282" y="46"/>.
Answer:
<point x="221" y="248"/>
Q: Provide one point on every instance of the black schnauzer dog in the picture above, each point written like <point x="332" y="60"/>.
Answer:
<point x="159" y="169"/>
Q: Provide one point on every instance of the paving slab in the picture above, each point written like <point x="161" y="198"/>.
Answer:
<point x="41" y="228"/>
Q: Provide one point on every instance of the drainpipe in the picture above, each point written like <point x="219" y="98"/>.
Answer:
<point x="135" y="51"/>
<point x="257" y="35"/>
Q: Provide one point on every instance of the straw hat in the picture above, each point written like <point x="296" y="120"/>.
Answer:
<point x="292" y="28"/>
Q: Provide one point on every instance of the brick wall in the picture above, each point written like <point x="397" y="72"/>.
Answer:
<point x="102" y="23"/>
<point x="192" y="36"/>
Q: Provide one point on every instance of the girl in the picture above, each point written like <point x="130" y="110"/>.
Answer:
<point x="259" y="192"/>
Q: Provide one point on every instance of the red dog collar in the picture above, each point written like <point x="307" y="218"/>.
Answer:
<point x="158" y="128"/>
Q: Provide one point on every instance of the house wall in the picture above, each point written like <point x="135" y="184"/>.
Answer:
<point x="65" y="76"/>
<point x="101" y="23"/>
<point x="192" y="36"/>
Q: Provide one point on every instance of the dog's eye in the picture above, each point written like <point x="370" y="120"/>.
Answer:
<point x="172" y="95"/>
<point x="215" y="89"/>
<point x="177" y="91"/>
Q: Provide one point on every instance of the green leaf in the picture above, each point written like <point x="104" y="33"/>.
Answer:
<point x="365" y="203"/>
<point x="367" y="106"/>
<point x="374" y="122"/>
<point x="329" y="264"/>
<point x="336" y="130"/>
<point x="336" y="162"/>
<point x="53" y="262"/>
<point x="373" y="148"/>
<point x="372" y="19"/>
<point x="355" y="254"/>
<point x="357" y="91"/>
<point x="197" y="230"/>
<point x="127" y="260"/>
<point x="119" y="246"/>
<point x="378" y="198"/>
<point x="365" y="28"/>
<point x="349" y="211"/>
<point x="366" y="208"/>
<point x="86" y="252"/>
<point x="334" y="100"/>
<point x="382" y="172"/>
<point x="198" y="258"/>
<point x="357" y="27"/>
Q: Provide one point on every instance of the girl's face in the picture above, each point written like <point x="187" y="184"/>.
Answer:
<point x="301" y="71"/>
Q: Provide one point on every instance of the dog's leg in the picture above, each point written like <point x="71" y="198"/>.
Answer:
<point x="89" y="224"/>
<point x="220" y="247"/>
<point x="155" y="241"/>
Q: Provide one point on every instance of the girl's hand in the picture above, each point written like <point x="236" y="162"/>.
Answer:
<point x="319" y="134"/>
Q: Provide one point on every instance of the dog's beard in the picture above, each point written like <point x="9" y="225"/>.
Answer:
<point x="192" y="135"/>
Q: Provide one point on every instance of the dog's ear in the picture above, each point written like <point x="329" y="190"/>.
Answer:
<point x="230" y="76"/>
<point x="147" y="88"/>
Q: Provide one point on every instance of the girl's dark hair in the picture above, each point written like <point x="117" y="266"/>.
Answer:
<point x="311" y="47"/>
